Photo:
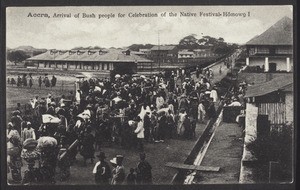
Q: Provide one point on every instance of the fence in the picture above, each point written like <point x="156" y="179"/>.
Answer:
<point x="275" y="111"/>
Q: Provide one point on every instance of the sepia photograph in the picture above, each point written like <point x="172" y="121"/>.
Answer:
<point x="149" y="95"/>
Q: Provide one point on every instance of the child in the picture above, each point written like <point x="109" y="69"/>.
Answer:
<point x="131" y="177"/>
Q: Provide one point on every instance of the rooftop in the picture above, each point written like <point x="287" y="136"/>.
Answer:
<point x="164" y="47"/>
<point x="284" y="83"/>
<point x="86" y="55"/>
<point x="281" y="33"/>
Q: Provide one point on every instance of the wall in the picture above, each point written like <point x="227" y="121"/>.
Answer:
<point x="259" y="77"/>
<point x="289" y="102"/>
<point x="280" y="63"/>
<point x="260" y="61"/>
<point x="276" y="112"/>
<point x="251" y="122"/>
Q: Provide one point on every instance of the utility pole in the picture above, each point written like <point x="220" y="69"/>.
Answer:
<point x="158" y="52"/>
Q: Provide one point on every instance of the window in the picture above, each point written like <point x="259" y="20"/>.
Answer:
<point x="252" y="51"/>
<point x="263" y="50"/>
<point x="283" y="50"/>
<point x="259" y="50"/>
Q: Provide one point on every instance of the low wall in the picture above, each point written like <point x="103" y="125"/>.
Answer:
<point x="258" y="78"/>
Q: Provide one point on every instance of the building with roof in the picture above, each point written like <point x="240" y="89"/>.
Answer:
<point x="272" y="51"/>
<point x="204" y="53"/>
<point x="93" y="60"/>
<point x="145" y="51"/>
<point x="164" y="54"/>
<point x="185" y="54"/>
<point x="273" y="99"/>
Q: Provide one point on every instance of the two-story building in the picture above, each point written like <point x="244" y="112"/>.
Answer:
<point x="272" y="51"/>
<point x="164" y="54"/>
<point x="204" y="53"/>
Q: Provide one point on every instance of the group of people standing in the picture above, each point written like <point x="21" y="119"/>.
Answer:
<point x="142" y="174"/>
<point x="28" y="81"/>
<point x="126" y="112"/>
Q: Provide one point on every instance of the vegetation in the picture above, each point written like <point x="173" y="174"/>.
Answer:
<point x="17" y="56"/>
<point x="137" y="47"/>
<point x="278" y="147"/>
<point x="218" y="45"/>
<point x="21" y="53"/>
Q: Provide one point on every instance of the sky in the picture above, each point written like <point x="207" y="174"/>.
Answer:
<point x="67" y="33"/>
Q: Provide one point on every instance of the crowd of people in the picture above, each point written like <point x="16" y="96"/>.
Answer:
<point x="128" y="111"/>
<point x="27" y="80"/>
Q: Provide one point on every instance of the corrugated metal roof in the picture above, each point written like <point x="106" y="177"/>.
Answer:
<point x="278" y="83"/>
<point x="163" y="48"/>
<point x="111" y="56"/>
<point x="281" y="33"/>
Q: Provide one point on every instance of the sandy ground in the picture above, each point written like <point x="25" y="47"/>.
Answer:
<point x="225" y="151"/>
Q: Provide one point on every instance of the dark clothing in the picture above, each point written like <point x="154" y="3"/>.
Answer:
<point x="15" y="168"/>
<point x="47" y="82"/>
<point x="162" y="127"/>
<point x="87" y="150"/>
<point x="19" y="81"/>
<point x="30" y="82"/>
<point x="147" y="125"/>
<point x="53" y="81"/>
<point x="144" y="172"/>
<point x="131" y="179"/>
<point x="103" y="173"/>
<point x="187" y="127"/>
<point x="24" y="80"/>
<point x="211" y="112"/>
<point x="40" y="82"/>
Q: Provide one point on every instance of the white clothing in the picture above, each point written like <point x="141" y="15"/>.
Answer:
<point x="77" y="97"/>
<point x="143" y="112"/>
<point x="214" y="95"/>
<point x="159" y="102"/>
<point x="95" y="167"/>
<point x="140" y="130"/>
<point x="235" y="103"/>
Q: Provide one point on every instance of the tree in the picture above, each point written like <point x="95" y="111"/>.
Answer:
<point x="137" y="47"/>
<point x="189" y="42"/>
<point x="17" y="56"/>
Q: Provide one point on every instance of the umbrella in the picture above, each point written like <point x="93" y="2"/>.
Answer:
<point x="47" y="118"/>
<point x="117" y="76"/>
<point x="166" y="110"/>
<point x="30" y="143"/>
<point x="143" y="76"/>
<point x="46" y="141"/>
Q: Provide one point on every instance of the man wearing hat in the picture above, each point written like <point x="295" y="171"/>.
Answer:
<point x="118" y="173"/>
<point x="102" y="170"/>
